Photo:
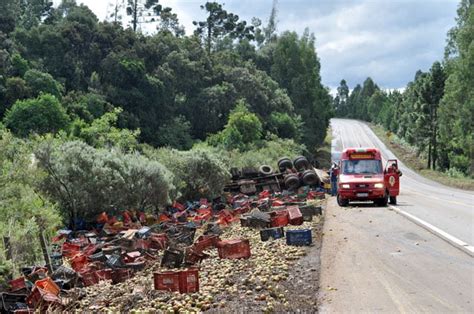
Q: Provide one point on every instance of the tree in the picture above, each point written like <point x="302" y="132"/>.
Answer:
<point x="272" y="23"/>
<point x="176" y="134"/>
<point x="342" y="99"/>
<point x="242" y="129"/>
<point x="39" y="82"/>
<point x="219" y="24"/>
<point x="143" y="11"/>
<point x="40" y="115"/>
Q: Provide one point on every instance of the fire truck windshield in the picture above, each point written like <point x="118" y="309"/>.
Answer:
<point x="361" y="166"/>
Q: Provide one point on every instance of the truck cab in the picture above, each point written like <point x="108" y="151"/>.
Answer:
<point x="362" y="177"/>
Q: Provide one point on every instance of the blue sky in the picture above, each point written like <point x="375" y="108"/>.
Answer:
<point x="388" y="40"/>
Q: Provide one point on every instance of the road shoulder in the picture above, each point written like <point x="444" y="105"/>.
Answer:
<point x="373" y="260"/>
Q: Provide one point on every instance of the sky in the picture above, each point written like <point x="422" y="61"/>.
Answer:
<point x="388" y="40"/>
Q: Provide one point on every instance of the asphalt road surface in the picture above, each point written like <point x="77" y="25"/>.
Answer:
<point x="450" y="209"/>
<point x="374" y="260"/>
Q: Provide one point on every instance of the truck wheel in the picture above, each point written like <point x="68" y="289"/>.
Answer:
<point x="341" y="201"/>
<point x="284" y="163"/>
<point x="310" y="177"/>
<point x="301" y="163"/>
<point x="393" y="200"/>
<point x="265" y="170"/>
<point x="292" y="182"/>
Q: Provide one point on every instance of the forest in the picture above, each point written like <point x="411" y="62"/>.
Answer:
<point x="434" y="112"/>
<point x="100" y="116"/>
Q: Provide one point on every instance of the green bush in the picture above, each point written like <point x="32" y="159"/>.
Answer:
<point x="85" y="181"/>
<point x="199" y="172"/>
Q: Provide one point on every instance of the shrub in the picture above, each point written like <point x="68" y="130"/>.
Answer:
<point x="86" y="181"/>
<point x="199" y="172"/>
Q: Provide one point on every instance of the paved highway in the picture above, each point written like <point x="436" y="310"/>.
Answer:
<point x="374" y="260"/>
<point x="450" y="209"/>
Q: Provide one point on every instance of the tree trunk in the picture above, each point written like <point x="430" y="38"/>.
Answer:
<point x="8" y="248"/>
<point x="44" y="247"/>
<point x="209" y="33"/>
<point x="429" y="154"/>
<point x="135" y="15"/>
<point x="435" y="141"/>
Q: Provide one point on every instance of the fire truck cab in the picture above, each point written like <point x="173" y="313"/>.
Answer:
<point x="362" y="178"/>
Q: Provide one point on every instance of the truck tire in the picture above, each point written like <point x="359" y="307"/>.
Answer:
<point x="310" y="177"/>
<point x="301" y="163"/>
<point x="292" y="182"/>
<point x="393" y="200"/>
<point x="342" y="202"/>
<point x="285" y="163"/>
<point x="265" y="170"/>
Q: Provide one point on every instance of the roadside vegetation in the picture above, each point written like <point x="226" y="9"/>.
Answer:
<point x="408" y="154"/>
<point x="97" y="116"/>
<point x="433" y="114"/>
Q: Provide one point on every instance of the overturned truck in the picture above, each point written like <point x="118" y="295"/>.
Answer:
<point x="290" y="175"/>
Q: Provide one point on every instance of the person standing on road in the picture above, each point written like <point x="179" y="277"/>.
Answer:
<point x="334" y="173"/>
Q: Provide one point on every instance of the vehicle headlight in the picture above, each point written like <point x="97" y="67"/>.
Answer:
<point x="345" y="186"/>
<point x="378" y="185"/>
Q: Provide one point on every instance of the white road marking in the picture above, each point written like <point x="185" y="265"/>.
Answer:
<point x="463" y="246"/>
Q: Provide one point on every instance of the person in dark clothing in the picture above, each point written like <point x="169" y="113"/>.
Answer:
<point x="334" y="173"/>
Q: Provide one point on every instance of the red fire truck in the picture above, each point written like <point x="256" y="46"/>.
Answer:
<point x="362" y="178"/>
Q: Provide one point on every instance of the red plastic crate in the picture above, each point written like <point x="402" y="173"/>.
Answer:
<point x="120" y="275"/>
<point x="89" y="278"/>
<point x="47" y="284"/>
<point x="17" y="284"/>
<point x="104" y="274"/>
<point x="42" y="300"/>
<point x="189" y="281"/>
<point x="79" y="262"/>
<point x="70" y="249"/>
<point x="279" y="218"/>
<point x="205" y="242"/>
<point x="294" y="215"/>
<point x="232" y="249"/>
<point x="168" y="281"/>
<point x="159" y="241"/>
<point x="142" y="244"/>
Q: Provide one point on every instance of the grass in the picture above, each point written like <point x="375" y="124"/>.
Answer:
<point x="408" y="155"/>
<point x="323" y="153"/>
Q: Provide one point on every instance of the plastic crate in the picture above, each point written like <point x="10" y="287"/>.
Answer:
<point x="158" y="241"/>
<point x="47" y="284"/>
<point x="104" y="274"/>
<point x="295" y="217"/>
<point x="275" y="233"/>
<point x="42" y="300"/>
<point x="232" y="249"/>
<point x="79" y="262"/>
<point x="172" y="259"/>
<point x="205" y="242"/>
<point x="8" y="301"/>
<point x="70" y="250"/>
<point x="121" y="275"/>
<point x="89" y="278"/>
<point x="189" y="281"/>
<point x="299" y="237"/>
<point x="17" y="284"/>
<point x="168" y="281"/>
<point x="279" y="218"/>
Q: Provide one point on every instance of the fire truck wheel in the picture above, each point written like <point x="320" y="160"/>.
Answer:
<point x="342" y="202"/>
<point x="292" y="182"/>
<point x="393" y="200"/>
<point x="301" y="163"/>
<point x="382" y="201"/>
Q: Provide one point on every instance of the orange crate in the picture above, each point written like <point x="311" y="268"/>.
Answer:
<point x="232" y="249"/>
<point x="89" y="278"/>
<point x="70" y="249"/>
<point x="168" y="281"/>
<point x="48" y="285"/>
<point x="43" y="300"/>
<point x="205" y="242"/>
<point x="104" y="274"/>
